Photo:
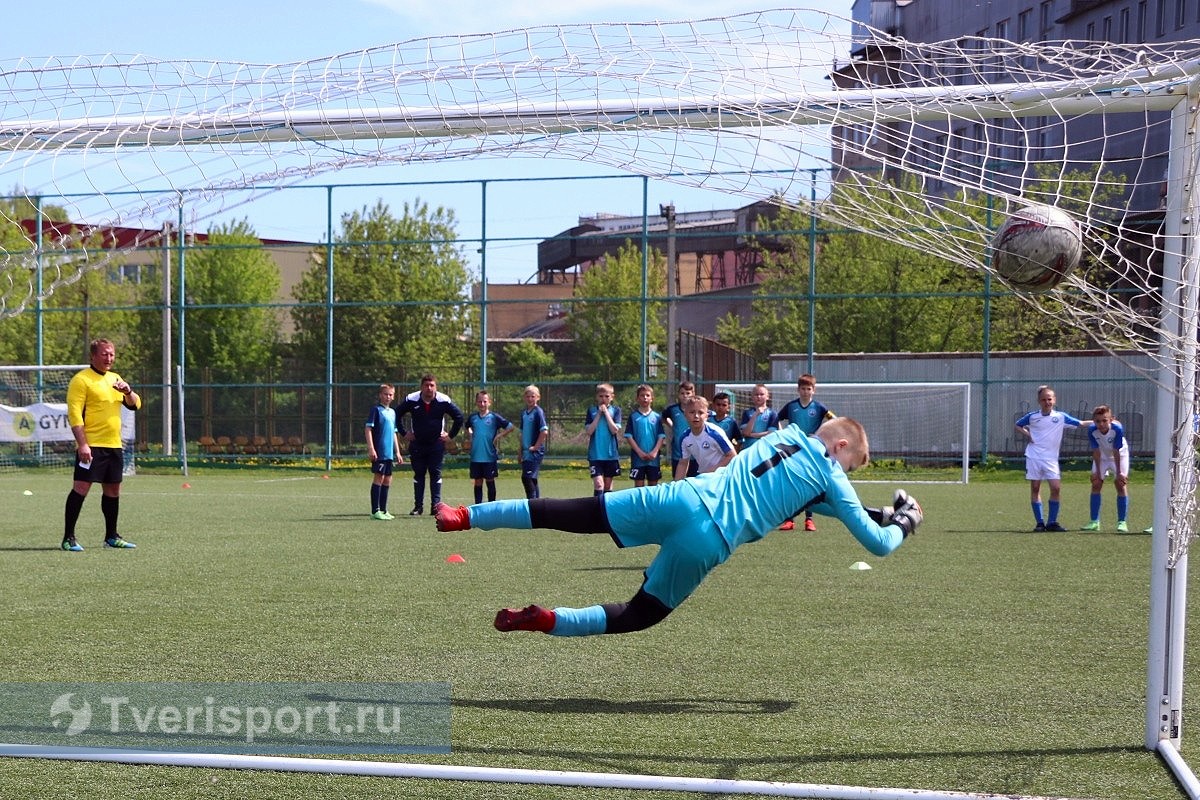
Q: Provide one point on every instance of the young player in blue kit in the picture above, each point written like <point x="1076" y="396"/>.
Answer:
<point x="645" y="434"/>
<point x="603" y="427"/>
<point x="761" y="419"/>
<point x="675" y="422"/>
<point x="383" y="449"/>
<point x="1110" y="454"/>
<point x="485" y="429"/>
<point x="700" y="521"/>
<point x="722" y="417"/>
<point x="1044" y="429"/>
<point x="808" y="413"/>
<point x="534" y="432"/>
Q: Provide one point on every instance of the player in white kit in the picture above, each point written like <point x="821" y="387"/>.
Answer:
<point x="1044" y="429"/>
<point x="1110" y="456"/>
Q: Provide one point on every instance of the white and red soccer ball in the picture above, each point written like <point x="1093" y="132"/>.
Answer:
<point x="1036" y="248"/>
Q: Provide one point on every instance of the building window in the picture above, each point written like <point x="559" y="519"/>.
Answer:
<point x="1046" y="20"/>
<point x="1089" y="32"/>
<point x="1180" y="13"/>
<point x="1023" y="25"/>
<point x="1123" y="27"/>
<point x="1160" y="26"/>
<point x="1141" y="21"/>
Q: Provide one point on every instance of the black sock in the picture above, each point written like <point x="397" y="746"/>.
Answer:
<point x="74" y="504"/>
<point x="110" y="507"/>
<point x="383" y="497"/>
<point x="375" y="497"/>
<point x="491" y="487"/>
<point x="479" y="494"/>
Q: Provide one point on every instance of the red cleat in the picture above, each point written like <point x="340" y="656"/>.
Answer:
<point x="788" y="526"/>
<point x="529" y="618"/>
<point x="452" y="519"/>
<point x="809" y="525"/>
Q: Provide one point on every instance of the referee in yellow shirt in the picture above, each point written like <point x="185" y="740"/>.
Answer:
<point x="94" y="400"/>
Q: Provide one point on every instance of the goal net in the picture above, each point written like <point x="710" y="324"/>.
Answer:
<point x="33" y="418"/>
<point x="927" y="144"/>
<point x="919" y="432"/>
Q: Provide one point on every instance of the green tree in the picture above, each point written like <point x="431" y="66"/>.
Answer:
<point x="606" y="321"/>
<point x="399" y="289"/>
<point x="870" y="294"/>
<point x="231" y="330"/>
<point x="18" y="275"/>
<point x="894" y="293"/>
<point x="526" y="357"/>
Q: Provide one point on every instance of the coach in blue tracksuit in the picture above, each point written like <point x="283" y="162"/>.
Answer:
<point x="427" y="438"/>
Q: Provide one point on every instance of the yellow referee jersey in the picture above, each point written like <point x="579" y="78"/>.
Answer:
<point x="94" y="403"/>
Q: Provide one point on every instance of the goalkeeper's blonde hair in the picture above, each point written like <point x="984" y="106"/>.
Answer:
<point x="852" y="432"/>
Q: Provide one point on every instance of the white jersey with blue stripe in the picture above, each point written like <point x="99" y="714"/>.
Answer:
<point x="1108" y="443"/>
<point x="1046" y="432"/>
<point x="706" y="448"/>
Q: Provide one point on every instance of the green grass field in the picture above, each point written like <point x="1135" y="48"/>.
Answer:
<point x="978" y="657"/>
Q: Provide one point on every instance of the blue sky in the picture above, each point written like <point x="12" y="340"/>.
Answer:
<point x="278" y="32"/>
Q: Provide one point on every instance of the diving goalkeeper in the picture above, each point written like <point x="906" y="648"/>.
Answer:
<point x="700" y="521"/>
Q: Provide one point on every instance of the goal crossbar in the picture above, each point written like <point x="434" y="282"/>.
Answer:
<point x="1148" y="91"/>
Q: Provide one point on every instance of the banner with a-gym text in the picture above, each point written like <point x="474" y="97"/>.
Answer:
<point x="47" y="422"/>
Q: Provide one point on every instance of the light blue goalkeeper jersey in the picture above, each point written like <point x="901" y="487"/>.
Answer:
<point x="769" y="482"/>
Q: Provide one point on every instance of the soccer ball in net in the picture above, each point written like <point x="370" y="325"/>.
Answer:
<point x="1036" y="248"/>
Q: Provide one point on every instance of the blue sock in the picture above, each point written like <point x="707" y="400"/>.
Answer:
<point x="502" y="514"/>
<point x="1054" y="504"/>
<point x="588" y="621"/>
<point x="1037" y="513"/>
<point x="1122" y="508"/>
<point x="1095" y="505"/>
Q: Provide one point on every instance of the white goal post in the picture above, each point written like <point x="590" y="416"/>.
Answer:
<point x="920" y="432"/>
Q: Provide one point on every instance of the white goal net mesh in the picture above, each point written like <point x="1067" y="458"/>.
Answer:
<point x="919" y="432"/>
<point x="927" y="144"/>
<point x="33" y="418"/>
<point x="930" y="144"/>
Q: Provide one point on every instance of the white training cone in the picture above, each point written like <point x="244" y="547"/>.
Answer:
<point x="27" y="493"/>
<point x="860" y="565"/>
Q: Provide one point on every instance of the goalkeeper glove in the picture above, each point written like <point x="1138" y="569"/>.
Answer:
<point x="883" y="516"/>
<point x="907" y="515"/>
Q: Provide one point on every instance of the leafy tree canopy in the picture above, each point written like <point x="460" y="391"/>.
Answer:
<point x="607" y="328"/>
<point x="399" y="287"/>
